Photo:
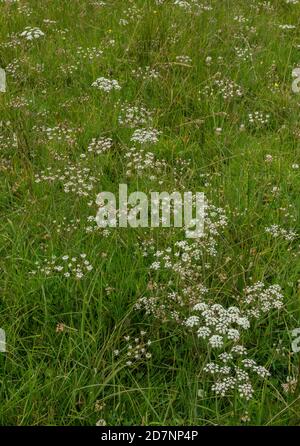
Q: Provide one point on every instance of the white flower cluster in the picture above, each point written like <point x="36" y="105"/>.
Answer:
<point x="278" y="232"/>
<point x="106" y="85"/>
<point x="192" y="6"/>
<point x="258" y="118"/>
<point x="224" y="87"/>
<point x="99" y="146"/>
<point x="184" y="59"/>
<point x="19" y="102"/>
<point x="185" y="256"/>
<point x="130" y="14"/>
<point x="291" y="384"/>
<point x="93" y="227"/>
<point x="135" y="350"/>
<point x="14" y="69"/>
<point x="98" y="3"/>
<point x="25" y="10"/>
<point x="65" y="265"/>
<point x="146" y="73"/>
<point x="59" y="133"/>
<point x="133" y="116"/>
<point x="234" y="377"/>
<point x="217" y="324"/>
<point x="243" y="53"/>
<point x="145" y="136"/>
<point x="260" y="300"/>
<point x="185" y="261"/>
<point x="170" y="305"/>
<point x="218" y="327"/>
<point x="140" y="161"/>
<point x="8" y="139"/>
<point x="66" y="225"/>
<point x="89" y="53"/>
<point x="221" y="328"/>
<point x="74" y="177"/>
<point x="240" y="19"/>
<point x="31" y="33"/>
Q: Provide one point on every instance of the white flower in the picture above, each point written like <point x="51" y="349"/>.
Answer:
<point x="239" y="350"/>
<point x="200" y="306"/>
<point x="212" y="368"/>
<point x="145" y="136"/>
<point x="225" y="357"/>
<point x="262" y="371"/>
<point x="106" y="84"/>
<point x="203" y="332"/>
<point x="268" y="158"/>
<point x="32" y="33"/>
<point x="221" y="387"/>
<point x="192" y="321"/>
<point x="246" y="390"/>
<point x="216" y="341"/>
<point x="233" y="334"/>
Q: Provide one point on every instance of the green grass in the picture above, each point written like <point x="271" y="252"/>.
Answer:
<point x="72" y="377"/>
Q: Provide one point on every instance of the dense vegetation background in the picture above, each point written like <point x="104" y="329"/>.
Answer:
<point x="160" y="95"/>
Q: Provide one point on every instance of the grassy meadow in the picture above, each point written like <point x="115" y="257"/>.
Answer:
<point x="144" y="326"/>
